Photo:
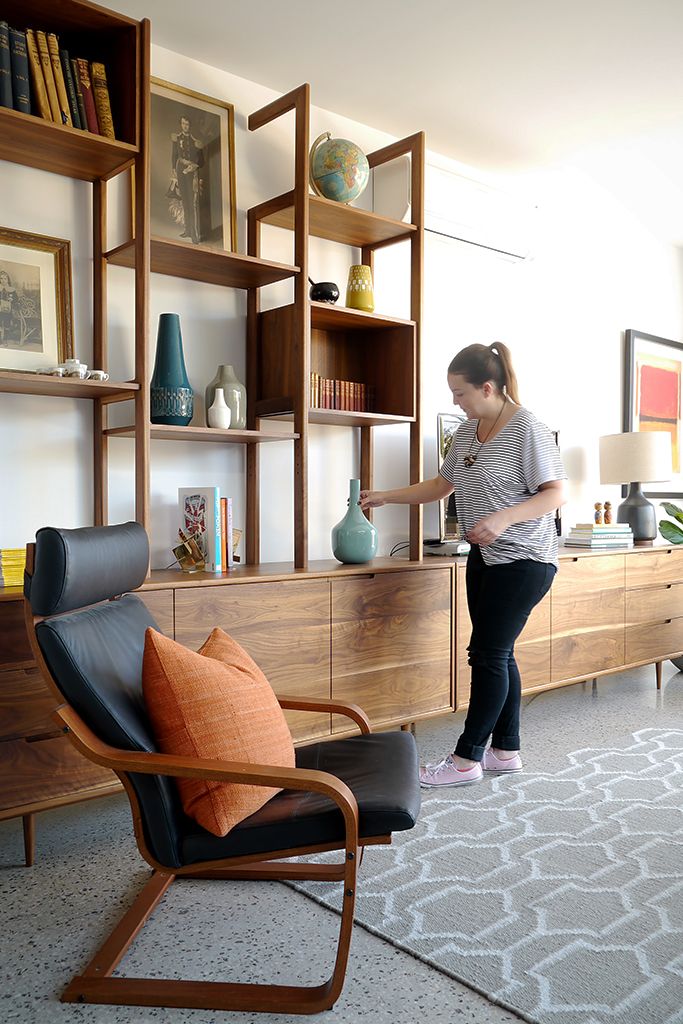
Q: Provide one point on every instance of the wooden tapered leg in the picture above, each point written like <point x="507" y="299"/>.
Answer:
<point x="29" y="821"/>
<point x="658" y="674"/>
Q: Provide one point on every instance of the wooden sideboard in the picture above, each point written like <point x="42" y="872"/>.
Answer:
<point x="391" y="637"/>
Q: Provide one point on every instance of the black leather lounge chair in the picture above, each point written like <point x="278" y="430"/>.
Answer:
<point x="342" y="795"/>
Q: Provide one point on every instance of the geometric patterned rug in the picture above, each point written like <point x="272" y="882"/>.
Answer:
<point x="558" y="895"/>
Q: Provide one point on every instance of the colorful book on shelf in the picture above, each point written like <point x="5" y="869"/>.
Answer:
<point x="41" y="102"/>
<point x="100" y="91"/>
<point x="21" y="89"/>
<point x="48" y="75"/>
<point x="200" y="516"/>
<point x="60" y="84"/>
<point x="5" y="67"/>
<point x="92" y="123"/>
<point x="67" y="71"/>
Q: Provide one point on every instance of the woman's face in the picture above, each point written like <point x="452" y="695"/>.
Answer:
<point x="4" y="278"/>
<point x="471" y="398"/>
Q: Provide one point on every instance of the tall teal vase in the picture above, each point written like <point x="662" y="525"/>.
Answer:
<point x="354" y="539"/>
<point x="171" y="396"/>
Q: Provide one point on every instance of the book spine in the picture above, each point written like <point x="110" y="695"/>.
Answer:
<point x="224" y="532"/>
<point x="218" y="565"/>
<point x="228" y="532"/>
<point x="39" y="90"/>
<point x="21" y="90"/>
<point x="70" y="88"/>
<point x="79" y="94"/>
<point x="88" y="99"/>
<point x="5" y="67"/>
<point x="98" y="77"/>
<point x="53" y="49"/>
<point x="48" y="75"/>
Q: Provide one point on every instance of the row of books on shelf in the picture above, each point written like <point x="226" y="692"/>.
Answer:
<point x="347" y="395"/>
<point x="206" y="516"/>
<point x="591" y="535"/>
<point x="12" y="565"/>
<point x="39" y="77"/>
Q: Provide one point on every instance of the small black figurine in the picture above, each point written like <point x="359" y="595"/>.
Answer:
<point x="323" y="291"/>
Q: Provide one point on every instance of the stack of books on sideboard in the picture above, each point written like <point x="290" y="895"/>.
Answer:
<point x="591" y="535"/>
<point x="12" y="565"/>
<point x="38" y="76"/>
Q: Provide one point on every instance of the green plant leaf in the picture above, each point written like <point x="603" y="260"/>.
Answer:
<point x="671" y="532"/>
<point x="672" y="510"/>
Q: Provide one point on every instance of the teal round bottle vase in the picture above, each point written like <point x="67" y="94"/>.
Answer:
<point x="171" y="396"/>
<point x="354" y="539"/>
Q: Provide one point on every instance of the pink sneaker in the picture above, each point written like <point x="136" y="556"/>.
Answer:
<point x="495" y="764"/>
<point x="446" y="773"/>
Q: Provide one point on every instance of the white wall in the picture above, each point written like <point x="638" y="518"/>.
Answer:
<point x="595" y="273"/>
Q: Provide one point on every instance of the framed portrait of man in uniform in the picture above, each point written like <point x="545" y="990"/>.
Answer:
<point x="192" y="150"/>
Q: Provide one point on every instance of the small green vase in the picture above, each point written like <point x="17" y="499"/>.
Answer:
<point x="354" y="539"/>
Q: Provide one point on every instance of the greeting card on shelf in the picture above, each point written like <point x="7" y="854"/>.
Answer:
<point x="200" y="516"/>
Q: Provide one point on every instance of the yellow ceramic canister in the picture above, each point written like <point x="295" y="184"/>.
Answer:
<point x="359" y="293"/>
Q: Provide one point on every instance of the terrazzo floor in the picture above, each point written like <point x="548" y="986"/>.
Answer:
<point x="54" y="915"/>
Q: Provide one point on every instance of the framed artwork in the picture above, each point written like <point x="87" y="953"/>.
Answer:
<point x="653" y="371"/>
<point x="192" y="148"/>
<point x="36" y="330"/>
<point x="447" y="424"/>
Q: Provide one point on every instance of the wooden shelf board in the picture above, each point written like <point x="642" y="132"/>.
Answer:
<point x="14" y="382"/>
<point x="29" y="140"/>
<point x="159" y="432"/>
<point x="325" y="316"/>
<point x="12" y="593"/>
<point x="346" y="224"/>
<point x="199" y="263"/>
<point x="332" y="417"/>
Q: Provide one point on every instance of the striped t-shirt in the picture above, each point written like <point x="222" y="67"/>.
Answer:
<point x="509" y="469"/>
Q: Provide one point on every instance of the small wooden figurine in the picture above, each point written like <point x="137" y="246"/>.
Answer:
<point x="598" y="513"/>
<point x="608" y="513"/>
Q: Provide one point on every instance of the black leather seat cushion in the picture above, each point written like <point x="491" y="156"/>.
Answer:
<point x="382" y="771"/>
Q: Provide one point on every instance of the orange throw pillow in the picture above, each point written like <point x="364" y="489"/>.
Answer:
<point x="216" y="704"/>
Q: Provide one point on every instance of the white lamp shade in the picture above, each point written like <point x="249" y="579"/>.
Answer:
<point x="642" y="457"/>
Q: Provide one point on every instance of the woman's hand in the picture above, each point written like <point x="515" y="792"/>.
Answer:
<point x="488" y="529"/>
<point x="371" y="499"/>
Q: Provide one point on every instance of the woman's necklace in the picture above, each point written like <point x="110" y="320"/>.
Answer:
<point x="471" y="458"/>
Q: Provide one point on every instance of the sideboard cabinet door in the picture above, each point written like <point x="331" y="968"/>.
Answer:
<point x="285" y="627"/>
<point x="392" y="644"/>
<point x="587" y="616"/>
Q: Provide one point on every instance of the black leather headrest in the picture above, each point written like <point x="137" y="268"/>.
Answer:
<point x="75" y="568"/>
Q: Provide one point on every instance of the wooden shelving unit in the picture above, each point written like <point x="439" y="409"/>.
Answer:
<point x="336" y="222"/>
<point x="210" y="434"/>
<point x="17" y="383"/>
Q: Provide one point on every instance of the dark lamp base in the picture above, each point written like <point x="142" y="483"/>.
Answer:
<point x="640" y="515"/>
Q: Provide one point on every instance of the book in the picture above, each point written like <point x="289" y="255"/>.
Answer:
<point x="617" y="543"/>
<point x="229" y="533"/>
<point x="200" y="517"/>
<point x="41" y="102"/>
<point x="88" y="98"/>
<point x="53" y="48"/>
<point x="602" y="526"/>
<point x="48" y="75"/>
<point x="98" y="78"/>
<point x="70" y="88"/>
<point x="5" y="67"/>
<point x="79" y="94"/>
<point x="224" y="532"/>
<point x="21" y="89"/>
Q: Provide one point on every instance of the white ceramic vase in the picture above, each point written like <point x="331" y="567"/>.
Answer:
<point x="234" y="392"/>
<point x="218" y="414"/>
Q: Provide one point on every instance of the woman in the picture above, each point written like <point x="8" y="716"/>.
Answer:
<point x="505" y="469"/>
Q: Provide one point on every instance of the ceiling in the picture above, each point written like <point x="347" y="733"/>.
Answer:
<point x="501" y="86"/>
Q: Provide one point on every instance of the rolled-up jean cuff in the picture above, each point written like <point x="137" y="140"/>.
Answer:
<point x="505" y="742"/>
<point x="472" y="753"/>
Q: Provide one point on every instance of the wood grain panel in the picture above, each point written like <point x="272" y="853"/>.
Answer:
<point x="285" y="627"/>
<point x="587" y="621"/>
<point x="588" y="575"/>
<point x="586" y="652"/>
<point x="657" y="566"/>
<point x="654" y="641"/>
<point x="532" y="650"/>
<point x="391" y="644"/>
<point x="47" y="772"/>
<point x="15" y="651"/>
<point x="160" y="604"/>
<point x="655" y="604"/>
<point x="26" y="705"/>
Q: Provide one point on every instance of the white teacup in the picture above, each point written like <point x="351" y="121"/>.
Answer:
<point x="74" y="368"/>
<point x="98" y="375"/>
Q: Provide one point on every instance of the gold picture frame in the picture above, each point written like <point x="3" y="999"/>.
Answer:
<point x="36" y="301"/>
<point x="192" y="155"/>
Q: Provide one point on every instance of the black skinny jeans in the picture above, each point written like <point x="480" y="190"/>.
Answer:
<point x="500" y="599"/>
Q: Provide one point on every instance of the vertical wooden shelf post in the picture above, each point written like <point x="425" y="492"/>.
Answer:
<point x="142" y="272"/>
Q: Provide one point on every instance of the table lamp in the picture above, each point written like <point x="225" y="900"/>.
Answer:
<point x="632" y="459"/>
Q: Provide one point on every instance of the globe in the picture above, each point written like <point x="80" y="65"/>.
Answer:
<point x="338" y="169"/>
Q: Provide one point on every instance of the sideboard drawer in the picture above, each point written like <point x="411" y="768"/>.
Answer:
<point x="654" y="641"/>
<point x="26" y="705"/>
<point x="658" y="566"/>
<point x="654" y="604"/>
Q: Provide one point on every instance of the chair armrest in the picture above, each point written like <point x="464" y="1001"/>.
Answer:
<point x="353" y="711"/>
<point x="146" y="763"/>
